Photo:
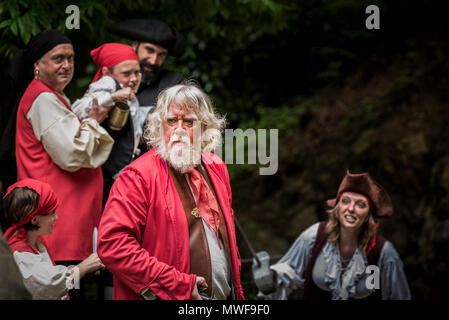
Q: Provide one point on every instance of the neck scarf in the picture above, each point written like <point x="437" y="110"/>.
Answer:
<point x="205" y="201"/>
<point x="47" y="203"/>
<point x="373" y="241"/>
<point x="109" y="54"/>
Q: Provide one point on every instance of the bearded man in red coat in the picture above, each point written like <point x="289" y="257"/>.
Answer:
<point x="167" y="231"/>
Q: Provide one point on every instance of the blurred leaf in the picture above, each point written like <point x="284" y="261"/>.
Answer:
<point x="5" y="23"/>
<point x="13" y="9"/>
<point x="14" y="28"/>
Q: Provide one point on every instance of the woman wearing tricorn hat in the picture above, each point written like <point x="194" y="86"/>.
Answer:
<point x="330" y="259"/>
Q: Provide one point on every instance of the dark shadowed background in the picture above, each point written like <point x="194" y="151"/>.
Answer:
<point x="341" y="96"/>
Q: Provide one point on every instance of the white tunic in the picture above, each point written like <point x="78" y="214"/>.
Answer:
<point x="42" y="279"/>
<point x="70" y="144"/>
<point x="221" y="271"/>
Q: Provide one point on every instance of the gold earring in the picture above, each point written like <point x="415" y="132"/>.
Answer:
<point x="36" y="73"/>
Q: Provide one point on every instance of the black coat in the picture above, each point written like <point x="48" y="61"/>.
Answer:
<point x="147" y="95"/>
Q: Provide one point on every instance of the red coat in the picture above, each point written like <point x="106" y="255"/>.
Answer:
<point x="79" y="192"/>
<point x="143" y="235"/>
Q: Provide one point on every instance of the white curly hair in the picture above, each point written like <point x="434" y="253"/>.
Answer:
<point x="193" y="99"/>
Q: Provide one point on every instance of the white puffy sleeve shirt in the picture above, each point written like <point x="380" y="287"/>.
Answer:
<point x="43" y="280"/>
<point x="101" y="90"/>
<point x="70" y="144"/>
<point x="329" y="275"/>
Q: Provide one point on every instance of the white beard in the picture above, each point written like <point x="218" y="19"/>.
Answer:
<point x="182" y="157"/>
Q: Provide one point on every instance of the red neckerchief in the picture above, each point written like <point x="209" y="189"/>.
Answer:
<point x="205" y="201"/>
<point x="18" y="243"/>
<point x="373" y="242"/>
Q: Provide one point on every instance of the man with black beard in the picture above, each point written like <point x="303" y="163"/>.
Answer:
<point x="154" y="41"/>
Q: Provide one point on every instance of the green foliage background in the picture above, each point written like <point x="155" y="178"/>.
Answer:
<point x="341" y="96"/>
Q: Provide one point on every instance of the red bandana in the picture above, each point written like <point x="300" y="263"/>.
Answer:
<point x="109" y="54"/>
<point x="47" y="203"/>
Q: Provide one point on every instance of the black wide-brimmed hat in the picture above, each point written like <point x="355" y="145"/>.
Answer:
<point x="153" y="31"/>
<point x="364" y="184"/>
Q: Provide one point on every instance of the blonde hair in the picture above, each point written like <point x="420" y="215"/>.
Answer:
<point x="333" y="229"/>
<point x="193" y="99"/>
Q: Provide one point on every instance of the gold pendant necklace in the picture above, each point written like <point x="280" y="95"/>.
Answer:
<point x="195" y="213"/>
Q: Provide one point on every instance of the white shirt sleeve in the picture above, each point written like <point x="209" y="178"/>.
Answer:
<point x="289" y="270"/>
<point x="394" y="284"/>
<point x="100" y="90"/>
<point x="42" y="279"/>
<point x="138" y="118"/>
<point x="70" y="144"/>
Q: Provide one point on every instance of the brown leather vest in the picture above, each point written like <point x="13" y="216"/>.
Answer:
<point x="200" y="262"/>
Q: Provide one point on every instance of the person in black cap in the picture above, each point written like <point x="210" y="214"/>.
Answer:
<point x="154" y="40"/>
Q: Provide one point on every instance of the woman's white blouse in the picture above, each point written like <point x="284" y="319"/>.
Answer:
<point x="42" y="279"/>
<point x="354" y="281"/>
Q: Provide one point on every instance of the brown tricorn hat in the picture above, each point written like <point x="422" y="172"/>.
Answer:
<point x="363" y="183"/>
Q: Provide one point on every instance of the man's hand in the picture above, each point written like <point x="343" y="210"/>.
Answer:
<point x="98" y="112"/>
<point x="124" y="94"/>
<point x="200" y="281"/>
